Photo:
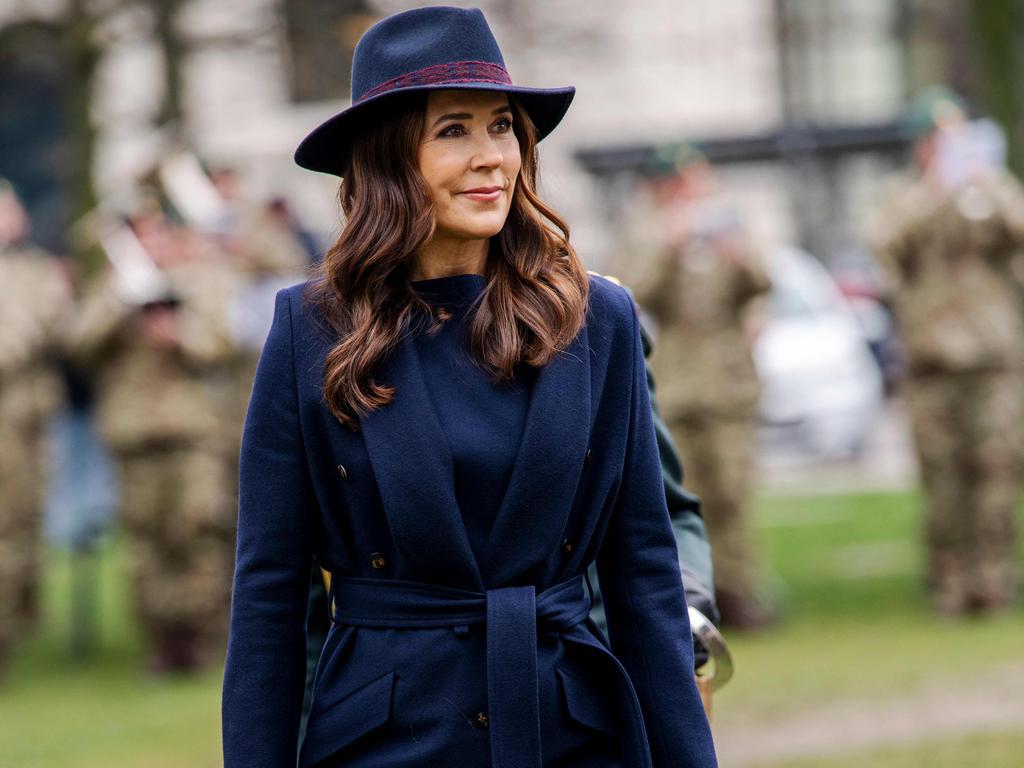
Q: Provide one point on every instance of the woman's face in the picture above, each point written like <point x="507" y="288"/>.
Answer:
<point x="470" y="159"/>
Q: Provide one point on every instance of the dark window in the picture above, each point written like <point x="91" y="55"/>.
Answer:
<point x="35" y="141"/>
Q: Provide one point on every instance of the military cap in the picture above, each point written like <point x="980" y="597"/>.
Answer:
<point x="669" y="159"/>
<point x="930" y="109"/>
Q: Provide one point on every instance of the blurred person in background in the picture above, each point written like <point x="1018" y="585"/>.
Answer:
<point x="949" y="234"/>
<point x="260" y="241"/>
<point x="281" y="213"/>
<point x="261" y="236"/>
<point x="154" y="332"/>
<point x="695" y="273"/>
<point x="36" y="297"/>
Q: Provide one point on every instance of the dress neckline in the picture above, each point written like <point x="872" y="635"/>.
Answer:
<point x="452" y="290"/>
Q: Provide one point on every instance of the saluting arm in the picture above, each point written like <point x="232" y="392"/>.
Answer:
<point x="101" y="320"/>
<point x="206" y="337"/>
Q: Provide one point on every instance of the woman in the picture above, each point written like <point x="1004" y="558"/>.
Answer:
<point x="454" y="421"/>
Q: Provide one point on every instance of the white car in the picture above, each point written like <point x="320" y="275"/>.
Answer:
<point x="820" y="384"/>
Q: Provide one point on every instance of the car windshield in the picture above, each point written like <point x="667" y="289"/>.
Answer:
<point x="790" y="303"/>
<point x="802" y="289"/>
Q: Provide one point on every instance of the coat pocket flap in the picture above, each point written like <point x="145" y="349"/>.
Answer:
<point x="586" y="704"/>
<point x="342" y="722"/>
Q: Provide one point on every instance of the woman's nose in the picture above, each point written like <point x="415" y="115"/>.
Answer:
<point x="487" y="153"/>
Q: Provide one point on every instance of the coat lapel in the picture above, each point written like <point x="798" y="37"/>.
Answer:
<point x="413" y="467"/>
<point x="536" y="504"/>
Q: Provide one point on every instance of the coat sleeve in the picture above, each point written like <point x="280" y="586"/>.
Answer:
<point x="643" y="591"/>
<point x="266" y="661"/>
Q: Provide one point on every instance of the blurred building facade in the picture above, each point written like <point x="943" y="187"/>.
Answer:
<point x="251" y="78"/>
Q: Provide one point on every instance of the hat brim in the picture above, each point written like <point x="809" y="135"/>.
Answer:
<point x="326" y="148"/>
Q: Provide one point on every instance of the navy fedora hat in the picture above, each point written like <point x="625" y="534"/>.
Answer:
<point x="421" y="50"/>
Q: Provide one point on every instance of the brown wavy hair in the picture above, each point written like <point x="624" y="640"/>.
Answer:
<point x="535" y="299"/>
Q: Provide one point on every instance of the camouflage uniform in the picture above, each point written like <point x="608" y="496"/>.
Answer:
<point x="952" y="256"/>
<point x="161" y="410"/>
<point x="697" y="293"/>
<point x="35" y="296"/>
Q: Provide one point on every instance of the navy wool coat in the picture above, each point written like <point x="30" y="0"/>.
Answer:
<point x="437" y="656"/>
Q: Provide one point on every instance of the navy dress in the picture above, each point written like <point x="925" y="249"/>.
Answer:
<point x="482" y="421"/>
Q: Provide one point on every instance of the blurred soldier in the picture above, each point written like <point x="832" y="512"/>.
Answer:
<point x="694" y="273"/>
<point x="155" y="331"/>
<point x="254" y="233"/>
<point x="268" y="256"/>
<point x="36" y="295"/>
<point x="949" y="235"/>
<point x="280" y="212"/>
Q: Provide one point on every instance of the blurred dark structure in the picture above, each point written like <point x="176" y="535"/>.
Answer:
<point x="46" y="138"/>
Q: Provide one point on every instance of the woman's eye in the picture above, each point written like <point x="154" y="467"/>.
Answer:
<point x="452" y="130"/>
<point x="503" y="126"/>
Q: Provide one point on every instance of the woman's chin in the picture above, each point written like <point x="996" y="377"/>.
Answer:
<point x="477" y="230"/>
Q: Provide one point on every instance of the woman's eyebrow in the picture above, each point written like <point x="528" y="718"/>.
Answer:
<point x="467" y="115"/>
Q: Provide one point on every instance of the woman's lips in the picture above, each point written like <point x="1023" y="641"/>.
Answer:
<point x="483" y="194"/>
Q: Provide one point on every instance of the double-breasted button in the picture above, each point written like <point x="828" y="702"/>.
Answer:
<point x="586" y="458"/>
<point x="377" y="560"/>
<point x="481" y="721"/>
<point x="343" y="472"/>
<point x="566" y="546"/>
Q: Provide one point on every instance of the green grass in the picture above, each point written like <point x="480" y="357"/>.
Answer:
<point x="855" y="620"/>
<point x="991" y="750"/>
<point x="56" y="712"/>
<point x="845" y="570"/>
<point x="855" y="625"/>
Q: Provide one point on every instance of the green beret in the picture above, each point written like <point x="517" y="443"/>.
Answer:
<point x="930" y="109"/>
<point x="669" y="159"/>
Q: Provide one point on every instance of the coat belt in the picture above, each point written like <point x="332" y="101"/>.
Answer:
<point x="512" y="617"/>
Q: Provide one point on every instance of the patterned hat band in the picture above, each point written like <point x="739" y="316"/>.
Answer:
<point x="443" y="74"/>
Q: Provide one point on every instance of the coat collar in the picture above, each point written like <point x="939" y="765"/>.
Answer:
<point x="413" y="467"/>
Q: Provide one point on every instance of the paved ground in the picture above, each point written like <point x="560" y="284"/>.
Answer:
<point x="993" y="701"/>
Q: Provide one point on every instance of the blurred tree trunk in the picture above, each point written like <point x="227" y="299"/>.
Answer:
<point x="174" y="50"/>
<point x="322" y="36"/>
<point x="996" y="33"/>
<point x="78" y="37"/>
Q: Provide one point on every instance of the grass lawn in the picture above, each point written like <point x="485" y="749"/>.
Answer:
<point x="59" y="713"/>
<point x="988" y="750"/>
<point x="856" y="622"/>
<point x="855" y="626"/>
